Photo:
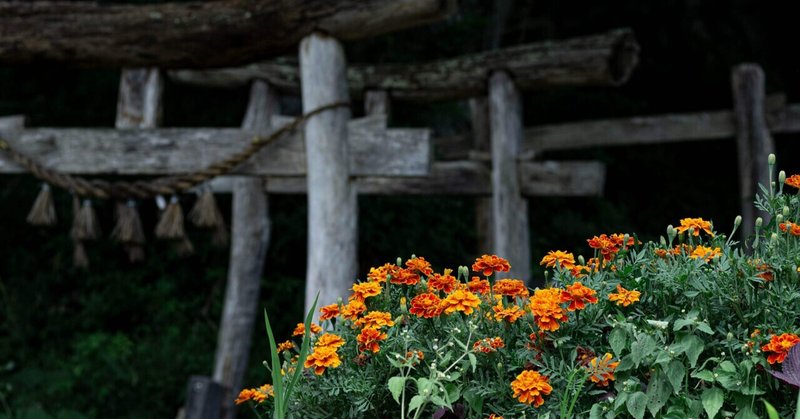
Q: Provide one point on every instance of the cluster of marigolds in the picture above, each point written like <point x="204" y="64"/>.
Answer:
<point x="503" y="300"/>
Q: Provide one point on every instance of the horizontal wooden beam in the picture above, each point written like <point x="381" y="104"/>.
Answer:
<point x="375" y="150"/>
<point x="548" y="178"/>
<point x="196" y="34"/>
<point x="604" y="59"/>
<point x="12" y="122"/>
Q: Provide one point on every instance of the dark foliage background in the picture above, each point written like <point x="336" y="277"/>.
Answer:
<point x="120" y="340"/>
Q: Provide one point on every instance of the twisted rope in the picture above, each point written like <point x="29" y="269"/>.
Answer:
<point x="167" y="185"/>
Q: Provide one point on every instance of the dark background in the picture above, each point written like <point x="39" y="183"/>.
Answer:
<point x="120" y="340"/>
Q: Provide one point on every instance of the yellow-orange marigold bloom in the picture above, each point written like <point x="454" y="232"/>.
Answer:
<point x="444" y="282"/>
<point x="779" y="346"/>
<point x="330" y="340"/>
<point x="489" y="264"/>
<point x="426" y="305"/>
<point x="602" y="370"/>
<point x="545" y="304"/>
<point x="607" y="247"/>
<point x="488" y="345"/>
<point x="493" y="416"/>
<point x="257" y="395"/>
<point x="380" y="273"/>
<point x="285" y="346"/>
<point x="662" y="253"/>
<point x="624" y="297"/>
<point x="509" y="314"/>
<point x="353" y="309"/>
<point x="322" y="357"/>
<point x="510" y="287"/>
<point x="558" y="257"/>
<point x="300" y="329"/>
<point x="695" y="223"/>
<point x="405" y="277"/>
<point x="793" y="180"/>
<point x="578" y="295"/>
<point x="368" y="339"/>
<point x="530" y="386"/>
<point x="328" y="312"/>
<point x="376" y="320"/>
<point x="420" y="265"/>
<point x="478" y="286"/>
<point x="365" y="289"/>
<point x="460" y="300"/>
<point x="790" y="227"/>
<point x="704" y="252"/>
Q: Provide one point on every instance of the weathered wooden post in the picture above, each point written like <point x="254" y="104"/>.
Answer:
<point x="479" y="118"/>
<point x="510" y="210"/>
<point x="753" y="140"/>
<point x="377" y="102"/>
<point x="139" y="101"/>
<point x="332" y="204"/>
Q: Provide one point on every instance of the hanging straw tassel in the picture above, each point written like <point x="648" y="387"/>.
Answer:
<point x="184" y="247"/>
<point x="128" y="229"/>
<point x="170" y="226"/>
<point x="79" y="257"/>
<point x="85" y="225"/>
<point x="43" y="212"/>
<point x="205" y="213"/>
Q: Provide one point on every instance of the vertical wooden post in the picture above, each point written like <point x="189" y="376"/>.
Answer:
<point x="376" y="102"/>
<point x="753" y="140"/>
<point x="510" y="210"/>
<point x="479" y="116"/>
<point x="203" y="398"/>
<point x="249" y="241"/>
<point x="139" y="101"/>
<point x="332" y="204"/>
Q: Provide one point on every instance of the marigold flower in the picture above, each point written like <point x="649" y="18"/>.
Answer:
<point x="790" y="227"/>
<point x="420" y="265"/>
<point x="329" y="311"/>
<point x="510" y="287"/>
<point x="793" y="180"/>
<point x="285" y="346"/>
<point x="426" y="305"/>
<point x="695" y="223"/>
<point x="444" y="282"/>
<point x="607" y="246"/>
<point x="460" y="300"/>
<point x="578" y="295"/>
<point x="545" y="304"/>
<point x="662" y="253"/>
<point x="488" y="345"/>
<point x="329" y="340"/>
<point x="321" y="358"/>
<point x="602" y="370"/>
<point x="376" y="320"/>
<point x="779" y="346"/>
<point x="510" y="314"/>
<point x="478" y="286"/>
<point x="365" y="289"/>
<point x="493" y="416"/>
<point x="530" y="386"/>
<point x="624" y="297"/>
<point x="414" y="357"/>
<point x="558" y="257"/>
<point x="353" y="309"/>
<point x="405" y="277"/>
<point x="489" y="264"/>
<point x="368" y="339"/>
<point x="300" y="330"/>
<point x="257" y="395"/>
<point x="704" y="252"/>
<point x="380" y="273"/>
<point x="765" y="272"/>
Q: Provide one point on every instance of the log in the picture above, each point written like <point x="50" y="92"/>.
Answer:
<point x="375" y="150"/>
<point x="753" y="140"/>
<point x="332" y="201"/>
<point x="510" y="232"/>
<point x="139" y="101"/>
<point x="604" y="59"/>
<point x="192" y="34"/>
<point x="12" y="122"/>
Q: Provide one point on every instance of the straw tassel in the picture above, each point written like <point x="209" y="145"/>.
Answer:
<point x="184" y="247"/>
<point x="170" y="226"/>
<point x="128" y="229"/>
<point x="79" y="257"/>
<point x="205" y="213"/>
<point x="43" y="212"/>
<point x="85" y="225"/>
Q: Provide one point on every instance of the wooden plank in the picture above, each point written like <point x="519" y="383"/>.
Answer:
<point x="375" y="150"/>
<point x="511" y="231"/>
<point x="377" y="102"/>
<point x="12" y="122"/>
<point x="753" y="140"/>
<point x="204" y="398"/>
<point x="603" y="59"/>
<point x="479" y="119"/>
<point x="196" y="34"/>
<point x="332" y="200"/>
<point x="139" y="100"/>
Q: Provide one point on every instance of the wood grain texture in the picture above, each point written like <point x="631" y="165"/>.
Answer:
<point x="479" y="119"/>
<point x="197" y="34"/>
<point x="603" y="59"/>
<point x="139" y="99"/>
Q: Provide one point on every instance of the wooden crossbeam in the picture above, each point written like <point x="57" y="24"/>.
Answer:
<point x="375" y="150"/>
<point x="603" y="59"/>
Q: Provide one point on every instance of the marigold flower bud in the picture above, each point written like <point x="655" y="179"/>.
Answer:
<point x="773" y="238"/>
<point x="771" y="159"/>
<point x="781" y="177"/>
<point x="779" y="218"/>
<point x="759" y="222"/>
<point x="785" y="211"/>
<point x="581" y="260"/>
<point x="671" y="232"/>
<point x="662" y="240"/>
<point x="737" y="221"/>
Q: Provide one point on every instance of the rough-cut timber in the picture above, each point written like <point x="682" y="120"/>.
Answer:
<point x="192" y="34"/>
<point x="753" y="140"/>
<point x="604" y="59"/>
<point x="511" y="232"/>
<point x="12" y="122"/>
<point x="332" y="203"/>
<point x="374" y="150"/>
<point x="139" y="100"/>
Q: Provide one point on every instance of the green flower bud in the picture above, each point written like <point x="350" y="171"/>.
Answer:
<point x="737" y="221"/>
<point x="399" y="262"/>
<point x="782" y="177"/>
<point x="771" y="159"/>
<point x="773" y="238"/>
<point x="671" y="232"/>
<point x="779" y="218"/>
<point x="759" y="222"/>
<point x="662" y="240"/>
<point x="785" y="211"/>
<point x="581" y="260"/>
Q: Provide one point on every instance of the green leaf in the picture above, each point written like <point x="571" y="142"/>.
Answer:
<point x="636" y="404"/>
<point x="746" y="413"/>
<point x="415" y="403"/>
<point x="618" y="339"/>
<point x="453" y="392"/>
<point x="473" y="361"/>
<point x="440" y="402"/>
<point x="705" y="328"/>
<point x="681" y="323"/>
<point x="712" y="399"/>
<point x="625" y="364"/>
<point x="643" y="346"/>
<point x="658" y="391"/>
<point x="727" y="366"/>
<point x="396" y="386"/>
<point x="675" y="372"/>
<point x="596" y="412"/>
<point x="771" y="412"/>
<point x="693" y="347"/>
<point x="704" y="375"/>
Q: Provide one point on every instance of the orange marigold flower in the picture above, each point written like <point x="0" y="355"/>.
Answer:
<point x="376" y="320"/>
<point x="624" y="297"/>
<point x="493" y="416"/>
<point x="257" y="395"/>
<point x="329" y="340"/>
<point x="285" y="346"/>
<point x="695" y="223"/>
<point x="607" y="246"/>
<point x="578" y="295"/>
<point x="489" y="264"/>
<point x="380" y="273"/>
<point x="790" y="227"/>
<point x="368" y="339"/>
<point x="414" y="357"/>
<point x="300" y="330"/>
<point x="765" y="272"/>
<point x="511" y="287"/>
<point x="322" y="357"/>
<point x="420" y="265"/>
<point x="793" y="180"/>
<point x="510" y="314"/>
<point x="365" y="289"/>
<point x="426" y="305"/>
<point x="706" y="253"/>
<point x="662" y="253"/>
<point x="779" y="347"/>
<point x="530" y="386"/>
<point x="478" y="286"/>
<point x="329" y="311"/>
<point x="405" y="276"/>
<point x="353" y="309"/>
<point x="545" y="304"/>
<point x="558" y="257"/>
<point x="602" y="370"/>
<point x="245" y="395"/>
<point x="488" y="345"/>
<point x="460" y="300"/>
<point x="444" y="282"/>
